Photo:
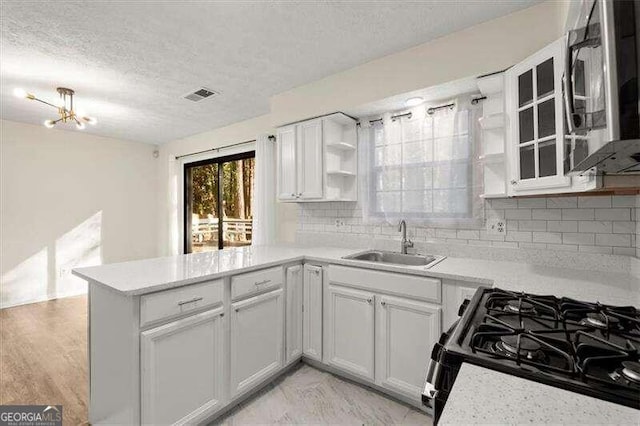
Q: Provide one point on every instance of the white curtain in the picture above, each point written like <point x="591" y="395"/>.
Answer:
<point x="422" y="168"/>
<point x="264" y="198"/>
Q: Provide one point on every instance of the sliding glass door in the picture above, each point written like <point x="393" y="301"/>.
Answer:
<point x="217" y="202"/>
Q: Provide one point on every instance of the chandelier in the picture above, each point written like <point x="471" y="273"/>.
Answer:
<point x="64" y="105"/>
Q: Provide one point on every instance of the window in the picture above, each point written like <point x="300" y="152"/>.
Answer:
<point x="421" y="167"/>
<point x="218" y="203"/>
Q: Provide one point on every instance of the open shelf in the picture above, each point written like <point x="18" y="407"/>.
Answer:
<point x="342" y="146"/>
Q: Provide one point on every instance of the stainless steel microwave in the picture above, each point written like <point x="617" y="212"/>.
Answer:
<point x="601" y="90"/>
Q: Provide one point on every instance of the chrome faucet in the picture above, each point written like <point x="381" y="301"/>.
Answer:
<point x="405" y="243"/>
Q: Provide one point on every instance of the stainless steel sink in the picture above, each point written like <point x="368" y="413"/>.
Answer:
<point x="381" y="256"/>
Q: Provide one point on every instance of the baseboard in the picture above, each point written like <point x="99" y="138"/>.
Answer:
<point x="42" y="299"/>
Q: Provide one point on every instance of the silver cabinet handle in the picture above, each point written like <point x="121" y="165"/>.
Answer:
<point x="383" y="303"/>
<point x="195" y="299"/>
<point x="369" y="300"/>
<point x="514" y="182"/>
<point x="259" y="283"/>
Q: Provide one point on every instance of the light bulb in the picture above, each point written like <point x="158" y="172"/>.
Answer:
<point x="411" y="102"/>
<point x="21" y="93"/>
<point x="80" y="126"/>
<point x="49" y="124"/>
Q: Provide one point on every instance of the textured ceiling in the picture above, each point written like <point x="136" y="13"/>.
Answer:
<point x="131" y="63"/>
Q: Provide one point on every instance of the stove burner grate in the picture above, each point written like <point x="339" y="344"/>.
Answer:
<point x="631" y="371"/>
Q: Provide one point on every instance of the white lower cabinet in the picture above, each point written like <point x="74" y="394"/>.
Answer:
<point x="293" y="319"/>
<point x="182" y="369"/>
<point x="257" y="337"/>
<point x="312" y="312"/>
<point x="349" y="331"/>
<point x="405" y="333"/>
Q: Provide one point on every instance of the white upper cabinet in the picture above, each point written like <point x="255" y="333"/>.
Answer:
<point x="287" y="175"/>
<point x="536" y="134"/>
<point x="310" y="160"/>
<point x="317" y="160"/>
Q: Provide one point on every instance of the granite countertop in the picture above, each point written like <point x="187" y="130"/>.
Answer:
<point x="483" y="396"/>
<point x="146" y="276"/>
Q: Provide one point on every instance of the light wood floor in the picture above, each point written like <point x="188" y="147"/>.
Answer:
<point x="43" y="360"/>
<point x="43" y="356"/>
<point x="310" y="396"/>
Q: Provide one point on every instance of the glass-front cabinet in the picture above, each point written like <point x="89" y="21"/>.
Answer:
<point x="536" y="132"/>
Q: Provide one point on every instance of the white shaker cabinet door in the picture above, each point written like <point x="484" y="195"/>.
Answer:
<point x="349" y="331"/>
<point x="287" y="163"/>
<point x="182" y="363"/>
<point x="312" y="322"/>
<point x="406" y="331"/>
<point x="257" y="335"/>
<point x="309" y="152"/>
<point x="294" y="313"/>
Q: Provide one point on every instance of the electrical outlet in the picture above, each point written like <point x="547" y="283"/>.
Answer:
<point x="496" y="226"/>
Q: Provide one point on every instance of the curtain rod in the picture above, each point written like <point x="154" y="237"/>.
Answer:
<point x="270" y="137"/>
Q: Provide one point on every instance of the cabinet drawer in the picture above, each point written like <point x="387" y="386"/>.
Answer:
<point x="180" y="301"/>
<point x="254" y="282"/>
<point x="425" y="288"/>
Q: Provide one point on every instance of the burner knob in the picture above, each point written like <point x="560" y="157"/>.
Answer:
<point x="463" y="307"/>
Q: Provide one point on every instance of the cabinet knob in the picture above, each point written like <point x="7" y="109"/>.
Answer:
<point x="383" y="303"/>
<point x="293" y="195"/>
<point x="369" y="300"/>
<point x="514" y="182"/>
<point x="299" y="194"/>
<point x="222" y="314"/>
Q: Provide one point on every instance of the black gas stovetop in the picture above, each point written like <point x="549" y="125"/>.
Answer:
<point x="589" y="348"/>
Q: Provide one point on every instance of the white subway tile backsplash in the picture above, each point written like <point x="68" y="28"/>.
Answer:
<point x="578" y="214"/>
<point x="520" y="214"/>
<point x="532" y="225"/>
<point x="562" y="202"/>
<point x="562" y="226"/>
<point x="518" y="236"/>
<point x="546" y="214"/>
<point x="613" y="214"/>
<point x="613" y="240"/>
<point x="595" y="224"/>
<point x="597" y="202"/>
<point x="576" y="238"/>
<point x="547" y="237"/>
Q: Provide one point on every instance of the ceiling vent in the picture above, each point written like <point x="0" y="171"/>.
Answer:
<point x="201" y="94"/>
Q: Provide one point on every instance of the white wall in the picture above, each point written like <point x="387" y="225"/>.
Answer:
<point x="484" y="48"/>
<point x="69" y="198"/>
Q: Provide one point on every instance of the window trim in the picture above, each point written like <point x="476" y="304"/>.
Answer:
<point x="186" y="199"/>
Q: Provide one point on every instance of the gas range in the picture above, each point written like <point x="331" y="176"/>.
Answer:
<point x="584" y="347"/>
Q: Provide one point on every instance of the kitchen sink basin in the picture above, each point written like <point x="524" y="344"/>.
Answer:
<point x="381" y="256"/>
